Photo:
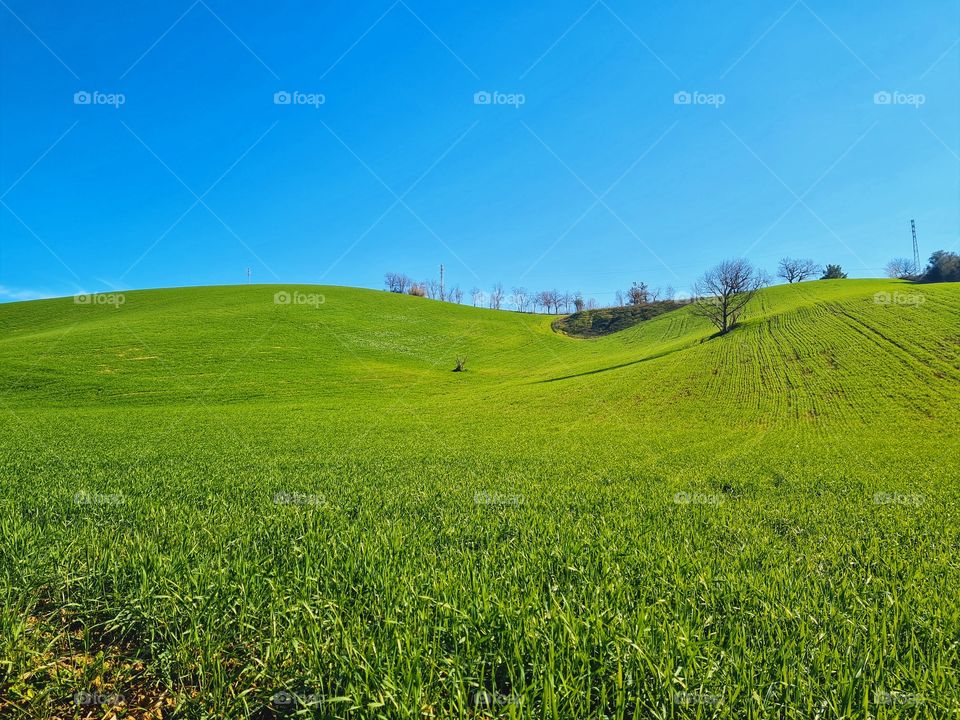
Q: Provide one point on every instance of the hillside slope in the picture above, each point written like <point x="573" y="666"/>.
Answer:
<point x="814" y="349"/>
<point x="208" y="497"/>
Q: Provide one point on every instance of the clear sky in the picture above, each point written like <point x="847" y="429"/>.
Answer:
<point x="583" y="173"/>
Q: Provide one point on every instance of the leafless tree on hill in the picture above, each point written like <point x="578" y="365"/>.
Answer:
<point x="417" y="289"/>
<point x="397" y="282"/>
<point x="901" y="268"/>
<point x="724" y="290"/>
<point x="521" y="299"/>
<point x="793" y="270"/>
<point x="496" y="297"/>
<point x="638" y="294"/>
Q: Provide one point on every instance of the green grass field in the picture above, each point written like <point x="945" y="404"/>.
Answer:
<point x="212" y="505"/>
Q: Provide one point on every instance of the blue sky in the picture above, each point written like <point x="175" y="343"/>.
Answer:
<point x="584" y="173"/>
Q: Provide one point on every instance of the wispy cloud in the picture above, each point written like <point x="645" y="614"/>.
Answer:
<point x="14" y="295"/>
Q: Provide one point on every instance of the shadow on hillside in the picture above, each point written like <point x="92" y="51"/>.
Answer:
<point x="701" y="341"/>
<point x="606" y="369"/>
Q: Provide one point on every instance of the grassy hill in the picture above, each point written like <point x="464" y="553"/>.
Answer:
<point x="210" y="499"/>
<point x="605" y="321"/>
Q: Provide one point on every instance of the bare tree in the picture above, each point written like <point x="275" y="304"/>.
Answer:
<point x="901" y="268"/>
<point x="618" y="298"/>
<point x="432" y="287"/>
<point x="793" y="270"/>
<point x="477" y="296"/>
<point x="521" y="298"/>
<point x="455" y="295"/>
<point x="655" y="295"/>
<point x="724" y="290"/>
<point x="578" y="302"/>
<point x="397" y="282"/>
<point x="544" y="300"/>
<point x="496" y="297"/>
<point x="638" y="294"/>
<point x="549" y="299"/>
<point x="669" y="293"/>
<point x="591" y="304"/>
<point x="417" y="289"/>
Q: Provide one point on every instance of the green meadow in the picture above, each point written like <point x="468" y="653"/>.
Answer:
<point x="215" y="505"/>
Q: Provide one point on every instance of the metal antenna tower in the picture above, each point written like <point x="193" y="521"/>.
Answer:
<point x="916" y="248"/>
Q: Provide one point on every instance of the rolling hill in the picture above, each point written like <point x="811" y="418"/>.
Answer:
<point x="221" y="501"/>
